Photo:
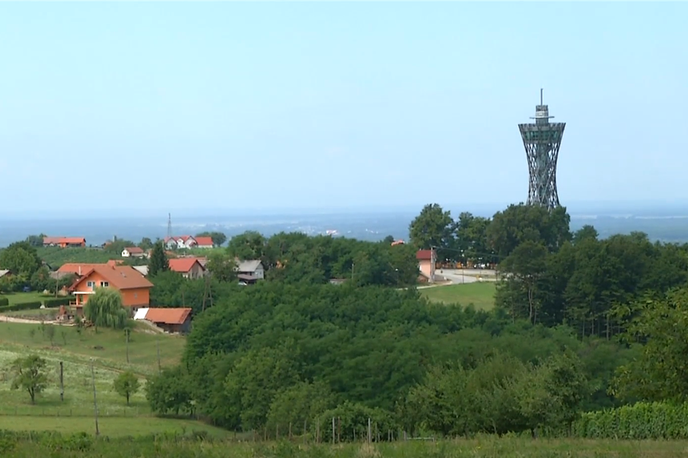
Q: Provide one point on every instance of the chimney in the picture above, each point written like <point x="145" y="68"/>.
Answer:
<point x="80" y="271"/>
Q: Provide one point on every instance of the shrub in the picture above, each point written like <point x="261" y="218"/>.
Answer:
<point x="4" y="302"/>
<point x="657" y="420"/>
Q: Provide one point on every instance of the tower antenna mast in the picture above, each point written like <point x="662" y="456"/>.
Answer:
<point x="542" y="140"/>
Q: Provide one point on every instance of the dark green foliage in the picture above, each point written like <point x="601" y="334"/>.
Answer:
<point x="158" y="260"/>
<point x="104" y="309"/>
<point x="4" y="301"/>
<point x="635" y="422"/>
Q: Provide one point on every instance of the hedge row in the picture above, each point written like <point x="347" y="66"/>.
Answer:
<point x="643" y="420"/>
<point x="48" y="303"/>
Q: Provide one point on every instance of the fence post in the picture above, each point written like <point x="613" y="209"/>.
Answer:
<point x="370" y="432"/>
<point x="333" y="431"/>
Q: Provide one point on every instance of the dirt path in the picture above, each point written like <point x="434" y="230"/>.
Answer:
<point x="11" y="319"/>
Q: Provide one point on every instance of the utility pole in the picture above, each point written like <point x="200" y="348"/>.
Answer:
<point x="352" y="271"/>
<point x="61" y="382"/>
<point x="95" y="403"/>
<point x="157" y="343"/>
<point x="126" y="332"/>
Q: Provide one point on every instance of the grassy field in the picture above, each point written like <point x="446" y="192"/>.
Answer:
<point x="108" y="350"/>
<point x="480" y="294"/>
<point x="109" y="426"/>
<point x="47" y="314"/>
<point x="487" y="447"/>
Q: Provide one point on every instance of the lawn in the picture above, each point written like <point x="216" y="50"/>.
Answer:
<point x="480" y="294"/>
<point x="56" y="256"/>
<point x="108" y="350"/>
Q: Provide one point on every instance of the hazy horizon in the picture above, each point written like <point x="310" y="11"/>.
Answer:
<point x="161" y="107"/>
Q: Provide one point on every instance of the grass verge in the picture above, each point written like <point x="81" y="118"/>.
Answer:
<point x="480" y="294"/>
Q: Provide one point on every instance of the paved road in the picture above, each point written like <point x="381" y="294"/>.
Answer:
<point x="458" y="276"/>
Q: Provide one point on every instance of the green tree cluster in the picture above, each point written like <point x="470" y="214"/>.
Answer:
<point x="280" y="353"/>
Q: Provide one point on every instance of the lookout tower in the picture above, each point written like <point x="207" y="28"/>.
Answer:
<point x="542" y="140"/>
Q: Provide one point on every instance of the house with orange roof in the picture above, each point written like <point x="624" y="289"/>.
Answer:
<point x="189" y="267"/>
<point x="204" y="242"/>
<point x="64" y="242"/>
<point x="132" y="285"/>
<point x="177" y="319"/>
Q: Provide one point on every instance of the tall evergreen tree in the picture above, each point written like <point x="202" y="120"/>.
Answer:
<point x="158" y="260"/>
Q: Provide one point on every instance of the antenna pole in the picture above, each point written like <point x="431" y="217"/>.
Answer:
<point x="541" y="103"/>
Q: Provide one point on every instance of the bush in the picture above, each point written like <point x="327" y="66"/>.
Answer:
<point x="657" y="420"/>
<point x="4" y="301"/>
<point x="21" y="306"/>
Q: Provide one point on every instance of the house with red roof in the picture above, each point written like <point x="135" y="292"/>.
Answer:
<point x="204" y="242"/>
<point x="189" y="267"/>
<point x="132" y="285"/>
<point x="177" y="319"/>
<point x="133" y="252"/>
<point x="64" y="242"/>
<point x="427" y="260"/>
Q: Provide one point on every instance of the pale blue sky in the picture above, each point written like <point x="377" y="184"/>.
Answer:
<point x="277" y="105"/>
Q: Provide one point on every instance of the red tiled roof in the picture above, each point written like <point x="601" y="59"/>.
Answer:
<point x="204" y="241"/>
<point x="168" y="316"/>
<point x="183" y="265"/>
<point x="120" y="277"/>
<point x="58" y="240"/>
<point x="134" y="250"/>
<point x="76" y="268"/>
<point x="424" y="255"/>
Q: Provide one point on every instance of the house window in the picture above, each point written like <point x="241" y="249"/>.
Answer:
<point x="104" y="284"/>
<point x="91" y="284"/>
<point x="136" y="295"/>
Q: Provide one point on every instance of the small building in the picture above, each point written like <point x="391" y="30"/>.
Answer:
<point x="190" y="268"/>
<point x="64" y="242"/>
<point x="176" y="319"/>
<point x="5" y="273"/>
<point x="426" y="264"/>
<point x="133" y="252"/>
<point x="250" y="271"/>
<point x="204" y="242"/>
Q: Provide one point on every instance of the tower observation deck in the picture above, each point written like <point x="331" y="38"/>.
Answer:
<point x="542" y="140"/>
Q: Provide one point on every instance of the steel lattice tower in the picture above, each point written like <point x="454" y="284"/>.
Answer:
<point x="542" y="140"/>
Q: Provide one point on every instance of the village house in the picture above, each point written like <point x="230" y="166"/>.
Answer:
<point x="134" y="287"/>
<point x="189" y="267"/>
<point x="250" y="271"/>
<point x="64" y="242"/>
<point x="204" y="242"/>
<point x="133" y="252"/>
<point x="427" y="260"/>
<point x="142" y="269"/>
<point x="174" y="320"/>
<point x="5" y="273"/>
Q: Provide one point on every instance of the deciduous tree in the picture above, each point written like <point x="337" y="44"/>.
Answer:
<point x="126" y="384"/>
<point x="104" y="309"/>
<point x="434" y="227"/>
<point x="29" y="374"/>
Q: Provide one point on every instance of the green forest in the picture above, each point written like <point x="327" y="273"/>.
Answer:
<point x="584" y="330"/>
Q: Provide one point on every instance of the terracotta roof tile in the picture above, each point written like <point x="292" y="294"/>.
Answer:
<point x="134" y="250"/>
<point x="120" y="277"/>
<point x="204" y="241"/>
<point x="183" y="265"/>
<point x="424" y="255"/>
<point x="168" y="315"/>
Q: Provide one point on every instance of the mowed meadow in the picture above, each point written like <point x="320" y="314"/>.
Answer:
<point x="105" y="351"/>
<point x="480" y="295"/>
